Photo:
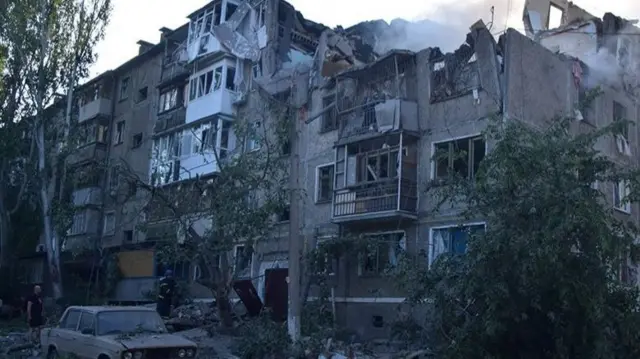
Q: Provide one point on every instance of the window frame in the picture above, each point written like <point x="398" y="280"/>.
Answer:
<point x="330" y="264"/>
<point x="249" y="265"/>
<point x="624" y="205"/>
<point x="124" y="88"/>
<point x="430" y="249"/>
<point x="318" y="184"/>
<point x="106" y="231"/>
<point x="470" y="138"/>
<point x="402" y="235"/>
<point x="119" y="132"/>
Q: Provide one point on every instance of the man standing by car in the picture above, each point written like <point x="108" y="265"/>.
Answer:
<point x="166" y="288"/>
<point x="35" y="313"/>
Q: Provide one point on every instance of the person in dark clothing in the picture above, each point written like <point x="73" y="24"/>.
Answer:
<point x="35" y="313"/>
<point x="166" y="289"/>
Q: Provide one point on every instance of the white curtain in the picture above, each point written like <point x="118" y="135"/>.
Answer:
<point x="441" y="240"/>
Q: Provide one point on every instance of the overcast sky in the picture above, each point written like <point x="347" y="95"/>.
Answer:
<point x="134" y="20"/>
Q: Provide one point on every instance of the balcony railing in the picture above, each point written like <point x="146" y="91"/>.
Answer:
<point x="170" y="119"/>
<point x="174" y="70"/>
<point x="391" y="196"/>
<point x="95" y="108"/>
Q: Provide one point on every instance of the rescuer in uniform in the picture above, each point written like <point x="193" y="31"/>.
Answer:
<point x="166" y="289"/>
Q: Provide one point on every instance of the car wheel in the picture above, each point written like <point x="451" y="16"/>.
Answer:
<point x="52" y="353"/>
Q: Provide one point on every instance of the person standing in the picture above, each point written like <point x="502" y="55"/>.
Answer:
<point x="35" y="313"/>
<point x="166" y="289"/>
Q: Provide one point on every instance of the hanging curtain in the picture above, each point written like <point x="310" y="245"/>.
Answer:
<point x="441" y="241"/>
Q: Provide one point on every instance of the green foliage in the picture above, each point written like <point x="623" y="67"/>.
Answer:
<point x="542" y="281"/>
<point x="262" y="338"/>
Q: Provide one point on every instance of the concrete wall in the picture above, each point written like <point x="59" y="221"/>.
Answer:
<point x="138" y="115"/>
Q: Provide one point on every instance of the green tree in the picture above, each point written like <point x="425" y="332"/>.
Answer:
<point x="542" y="281"/>
<point x="239" y="204"/>
<point x="49" y="47"/>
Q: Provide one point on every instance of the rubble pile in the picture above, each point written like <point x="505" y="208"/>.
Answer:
<point x="16" y="345"/>
<point x="194" y="315"/>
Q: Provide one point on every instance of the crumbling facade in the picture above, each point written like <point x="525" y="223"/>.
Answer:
<point x="387" y="120"/>
<point x="371" y="126"/>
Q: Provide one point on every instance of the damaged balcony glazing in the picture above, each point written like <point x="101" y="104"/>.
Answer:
<point x="376" y="179"/>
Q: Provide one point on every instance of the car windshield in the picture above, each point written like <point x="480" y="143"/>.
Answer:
<point x="129" y="321"/>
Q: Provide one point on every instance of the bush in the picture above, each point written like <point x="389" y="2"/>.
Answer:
<point x="262" y="338"/>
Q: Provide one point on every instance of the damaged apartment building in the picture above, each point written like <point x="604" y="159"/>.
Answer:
<point x="370" y="124"/>
<point x="374" y="130"/>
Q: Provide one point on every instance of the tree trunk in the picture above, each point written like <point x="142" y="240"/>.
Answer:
<point x="50" y="240"/>
<point x="5" y="223"/>
<point x="222" y="293"/>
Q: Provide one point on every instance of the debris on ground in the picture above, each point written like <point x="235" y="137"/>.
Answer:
<point x="17" y="345"/>
<point x="193" y="315"/>
<point x="218" y="347"/>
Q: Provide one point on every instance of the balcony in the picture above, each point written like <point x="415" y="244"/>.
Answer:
<point x="169" y="120"/>
<point x="376" y="179"/>
<point x="174" y="71"/>
<point x="91" y="196"/>
<point x="202" y="45"/>
<point x="95" y="108"/>
<point x="217" y="102"/>
<point x="94" y="152"/>
<point x="376" y="200"/>
<point x="373" y="118"/>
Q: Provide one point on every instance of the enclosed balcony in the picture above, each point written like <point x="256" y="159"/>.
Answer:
<point x="93" y="102"/>
<point x="169" y="120"/>
<point x="376" y="179"/>
<point x="90" y="196"/>
<point x="201" y="40"/>
<point x="376" y="99"/>
<point x="212" y="92"/>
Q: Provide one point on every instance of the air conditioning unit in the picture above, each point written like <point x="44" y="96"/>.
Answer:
<point x="40" y="248"/>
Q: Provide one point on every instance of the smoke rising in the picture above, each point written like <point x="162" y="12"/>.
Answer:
<point x="445" y="25"/>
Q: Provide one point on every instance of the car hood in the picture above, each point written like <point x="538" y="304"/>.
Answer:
<point x="150" y="341"/>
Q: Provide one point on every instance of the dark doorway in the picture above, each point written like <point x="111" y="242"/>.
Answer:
<point x="276" y="295"/>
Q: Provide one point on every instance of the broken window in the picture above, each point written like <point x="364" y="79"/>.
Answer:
<point x="461" y="157"/>
<point x="207" y="139"/>
<point x="137" y="140"/>
<point x="205" y="83"/>
<point x="224" y="139"/>
<point x="621" y="192"/>
<point x="253" y="137"/>
<point x="377" y="165"/>
<point x="330" y="117"/>
<point x="229" y="10"/>
<point x="324" y="190"/>
<point x="119" y="135"/>
<point x="555" y="16"/>
<point x="142" y="94"/>
<point x="230" y="80"/>
<point x="124" y="88"/>
<point x="451" y="240"/>
<point x="620" y="114"/>
<point x="284" y="214"/>
<point x="330" y="263"/>
<point x="168" y="100"/>
<point x="242" y="260"/>
<point x="382" y="253"/>
<point x="454" y="75"/>
<point x="217" y="13"/>
<point x="218" y="78"/>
